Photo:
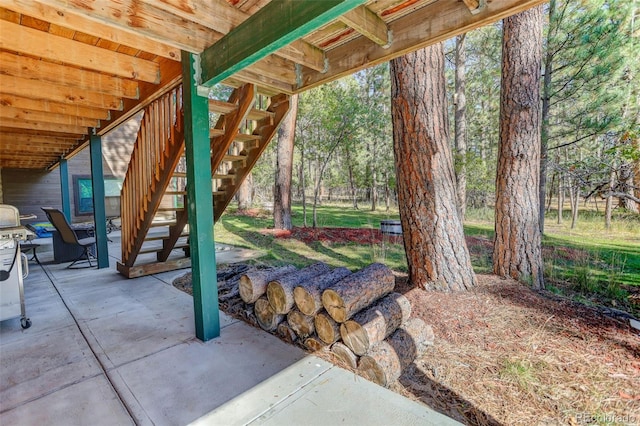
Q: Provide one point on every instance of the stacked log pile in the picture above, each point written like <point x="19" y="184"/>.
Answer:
<point x="356" y="317"/>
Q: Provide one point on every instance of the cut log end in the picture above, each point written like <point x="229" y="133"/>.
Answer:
<point x="304" y="301"/>
<point x="301" y="324"/>
<point x="314" y="344"/>
<point x="371" y="370"/>
<point x="276" y="297"/>
<point x="267" y="319"/>
<point x="355" y="337"/>
<point x="344" y="355"/>
<point x="326" y="328"/>
<point x="245" y="289"/>
<point x="334" y="305"/>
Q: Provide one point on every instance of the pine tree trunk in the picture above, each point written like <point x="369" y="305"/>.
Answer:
<point x="437" y="254"/>
<point x="517" y="246"/>
<point x="546" y="107"/>
<point x="575" y="203"/>
<point x="609" y="202"/>
<point x="284" y="168"/>
<point x="560" y="197"/>
<point x="460" y="139"/>
<point x="245" y="193"/>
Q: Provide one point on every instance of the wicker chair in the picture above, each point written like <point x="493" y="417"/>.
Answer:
<point x="68" y="235"/>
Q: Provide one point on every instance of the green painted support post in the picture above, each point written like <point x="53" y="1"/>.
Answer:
<point x="200" y="204"/>
<point x="99" y="214"/>
<point x="64" y="189"/>
<point x="274" y="26"/>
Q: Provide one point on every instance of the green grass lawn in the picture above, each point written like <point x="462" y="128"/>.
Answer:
<point x="587" y="262"/>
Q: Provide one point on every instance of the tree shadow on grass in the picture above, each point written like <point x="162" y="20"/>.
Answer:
<point x="268" y="243"/>
<point x="343" y="260"/>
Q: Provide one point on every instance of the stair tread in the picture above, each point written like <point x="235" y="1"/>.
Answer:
<point x="175" y="193"/>
<point x="170" y="209"/>
<point x="158" y="249"/>
<point x="234" y="158"/>
<point x="221" y="176"/>
<point x="163" y="237"/>
<point x="223" y="107"/>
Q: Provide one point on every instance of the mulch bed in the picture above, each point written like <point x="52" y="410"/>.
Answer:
<point x="505" y="354"/>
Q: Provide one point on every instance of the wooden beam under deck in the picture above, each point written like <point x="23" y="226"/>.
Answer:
<point x="46" y="117"/>
<point x="34" y="69"/>
<point x="43" y="127"/>
<point x="367" y="23"/>
<point x="54" y="107"/>
<point x="67" y="16"/>
<point x="51" y="92"/>
<point x="411" y="32"/>
<point x="19" y="38"/>
<point x="271" y="28"/>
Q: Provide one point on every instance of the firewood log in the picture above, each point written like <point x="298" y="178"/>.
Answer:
<point x="314" y="344"/>
<point x="267" y="319"/>
<point x="286" y="332"/>
<point x="357" y="291"/>
<point x="384" y="362"/>
<point x="300" y="323"/>
<point x="253" y="284"/>
<point x="345" y="355"/>
<point x="375" y="323"/>
<point x="308" y="298"/>
<point x="326" y="328"/>
<point x="280" y="289"/>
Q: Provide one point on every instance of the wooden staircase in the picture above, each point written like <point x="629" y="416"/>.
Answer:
<point x="154" y="217"/>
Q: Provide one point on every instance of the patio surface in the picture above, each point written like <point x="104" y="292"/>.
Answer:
<point x="104" y="350"/>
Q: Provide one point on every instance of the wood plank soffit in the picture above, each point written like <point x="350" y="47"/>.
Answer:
<point x="34" y="69"/>
<point x="65" y="15"/>
<point x="38" y="43"/>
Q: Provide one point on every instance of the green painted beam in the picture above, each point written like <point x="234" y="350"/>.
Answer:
<point x="274" y="26"/>
<point x="64" y="189"/>
<point x="99" y="211"/>
<point x="200" y="204"/>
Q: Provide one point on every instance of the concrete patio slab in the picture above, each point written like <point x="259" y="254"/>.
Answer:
<point x="194" y="377"/>
<point x="90" y="402"/>
<point x="315" y="392"/>
<point x="106" y="350"/>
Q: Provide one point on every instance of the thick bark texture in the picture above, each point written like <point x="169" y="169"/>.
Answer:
<point x="437" y="254"/>
<point x="375" y="323"/>
<point x="386" y="360"/>
<point x="253" y="284"/>
<point x="357" y="291"/>
<point x="280" y="289"/>
<point x="517" y="247"/>
<point x="308" y="298"/>
<point x="284" y="168"/>
<point x="461" y="126"/>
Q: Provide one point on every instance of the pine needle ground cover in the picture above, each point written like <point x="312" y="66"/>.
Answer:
<point x="504" y="354"/>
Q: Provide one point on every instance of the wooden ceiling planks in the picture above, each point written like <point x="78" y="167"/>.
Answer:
<point x="67" y="67"/>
